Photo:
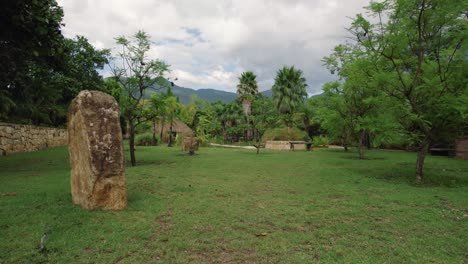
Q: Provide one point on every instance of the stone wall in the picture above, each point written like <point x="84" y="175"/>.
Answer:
<point x="283" y="145"/>
<point x="461" y="148"/>
<point x="278" y="145"/>
<point x="24" y="138"/>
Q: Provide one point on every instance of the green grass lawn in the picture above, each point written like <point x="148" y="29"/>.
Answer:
<point x="230" y="205"/>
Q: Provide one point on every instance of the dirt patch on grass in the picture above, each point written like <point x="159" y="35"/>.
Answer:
<point x="164" y="223"/>
<point x="223" y="254"/>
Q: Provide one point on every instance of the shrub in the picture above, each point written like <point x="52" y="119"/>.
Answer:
<point x="283" y="133"/>
<point x="321" y="141"/>
<point x="145" y="139"/>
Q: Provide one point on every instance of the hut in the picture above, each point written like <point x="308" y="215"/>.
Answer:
<point x="461" y="148"/>
<point x="178" y="128"/>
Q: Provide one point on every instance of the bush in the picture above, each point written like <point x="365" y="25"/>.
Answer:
<point x="283" y="133"/>
<point x="392" y="141"/>
<point x="321" y="141"/>
<point x="145" y="139"/>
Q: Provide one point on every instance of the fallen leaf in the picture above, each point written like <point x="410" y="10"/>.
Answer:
<point x="9" y="194"/>
<point x="261" y="234"/>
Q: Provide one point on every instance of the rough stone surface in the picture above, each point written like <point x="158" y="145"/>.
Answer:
<point x="96" y="154"/>
<point x="283" y="145"/>
<point x="461" y="148"/>
<point x="190" y="144"/>
<point x="24" y="138"/>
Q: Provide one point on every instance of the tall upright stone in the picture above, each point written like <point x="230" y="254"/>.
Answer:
<point x="96" y="154"/>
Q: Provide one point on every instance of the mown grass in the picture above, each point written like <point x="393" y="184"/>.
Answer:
<point x="230" y="206"/>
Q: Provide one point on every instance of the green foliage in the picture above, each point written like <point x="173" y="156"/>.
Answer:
<point x="263" y="117"/>
<point x="41" y="71"/>
<point x="247" y="85"/>
<point x="355" y="107"/>
<point x="285" y="133"/>
<point x="145" y="139"/>
<point x="136" y="72"/>
<point x="420" y="62"/>
<point x="289" y="90"/>
<point x="320" y="141"/>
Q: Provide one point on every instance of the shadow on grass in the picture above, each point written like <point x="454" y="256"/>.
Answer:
<point x="354" y="157"/>
<point x="128" y="163"/>
<point x="433" y="176"/>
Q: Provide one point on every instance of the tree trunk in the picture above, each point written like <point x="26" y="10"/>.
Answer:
<point x="163" y="120"/>
<point x="127" y="130"/>
<point x="368" y="141"/>
<point x="223" y="126"/>
<point x="307" y="129"/>
<point x="154" y="141"/>
<point x="420" y="161"/>
<point x="131" y="142"/>
<point x="169" y="141"/>
<point x="258" y="150"/>
<point x="361" y="145"/>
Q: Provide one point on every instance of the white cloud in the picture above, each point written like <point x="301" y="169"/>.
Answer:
<point x="208" y="43"/>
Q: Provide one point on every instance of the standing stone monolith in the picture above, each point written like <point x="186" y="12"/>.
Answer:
<point x="96" y="154"/>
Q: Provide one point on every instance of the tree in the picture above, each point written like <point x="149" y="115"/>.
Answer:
<point x="246" y="89"/>
<point x="264" y="116"/>
<point x="218" y="109"/>
<point x="172" y="110"/>
<point x="423" y="64"/>
<point x="158" y="108"/>
<point x="289" y="91"/>
<point x="309" y="117"/>
<point x="356" y="99"/>
<point x="82" y="60"/>
<point x="29" y="36"/>
<point x="234" y="119"/>
<point x="41" y="71"/>
<point x="136" y="73"/>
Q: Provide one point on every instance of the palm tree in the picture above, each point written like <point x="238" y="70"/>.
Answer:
<point x="233" y="119"/>
<point x="246" y="88"/>
<point x="289" y="91"/>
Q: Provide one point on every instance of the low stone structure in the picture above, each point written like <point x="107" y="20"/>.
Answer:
<point x="461" y="148"/>
<point x="24" y="138"/>
<point x="278" y="145"/>
<point x="284" y="145"/>
<point x="96" y="152"/>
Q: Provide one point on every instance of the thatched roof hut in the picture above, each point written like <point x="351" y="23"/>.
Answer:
<point x="178" y="128"/>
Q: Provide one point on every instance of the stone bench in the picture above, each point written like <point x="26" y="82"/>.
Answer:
<point x="304" y="145"/>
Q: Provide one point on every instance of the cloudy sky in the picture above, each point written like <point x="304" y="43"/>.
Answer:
<point x="209" y="43"/>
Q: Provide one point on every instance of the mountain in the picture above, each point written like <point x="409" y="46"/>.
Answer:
<point x="268" y="93"/>
<point x="185" y="94"/>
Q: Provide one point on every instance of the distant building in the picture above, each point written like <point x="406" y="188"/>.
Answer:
<point x="178" y="128"/>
